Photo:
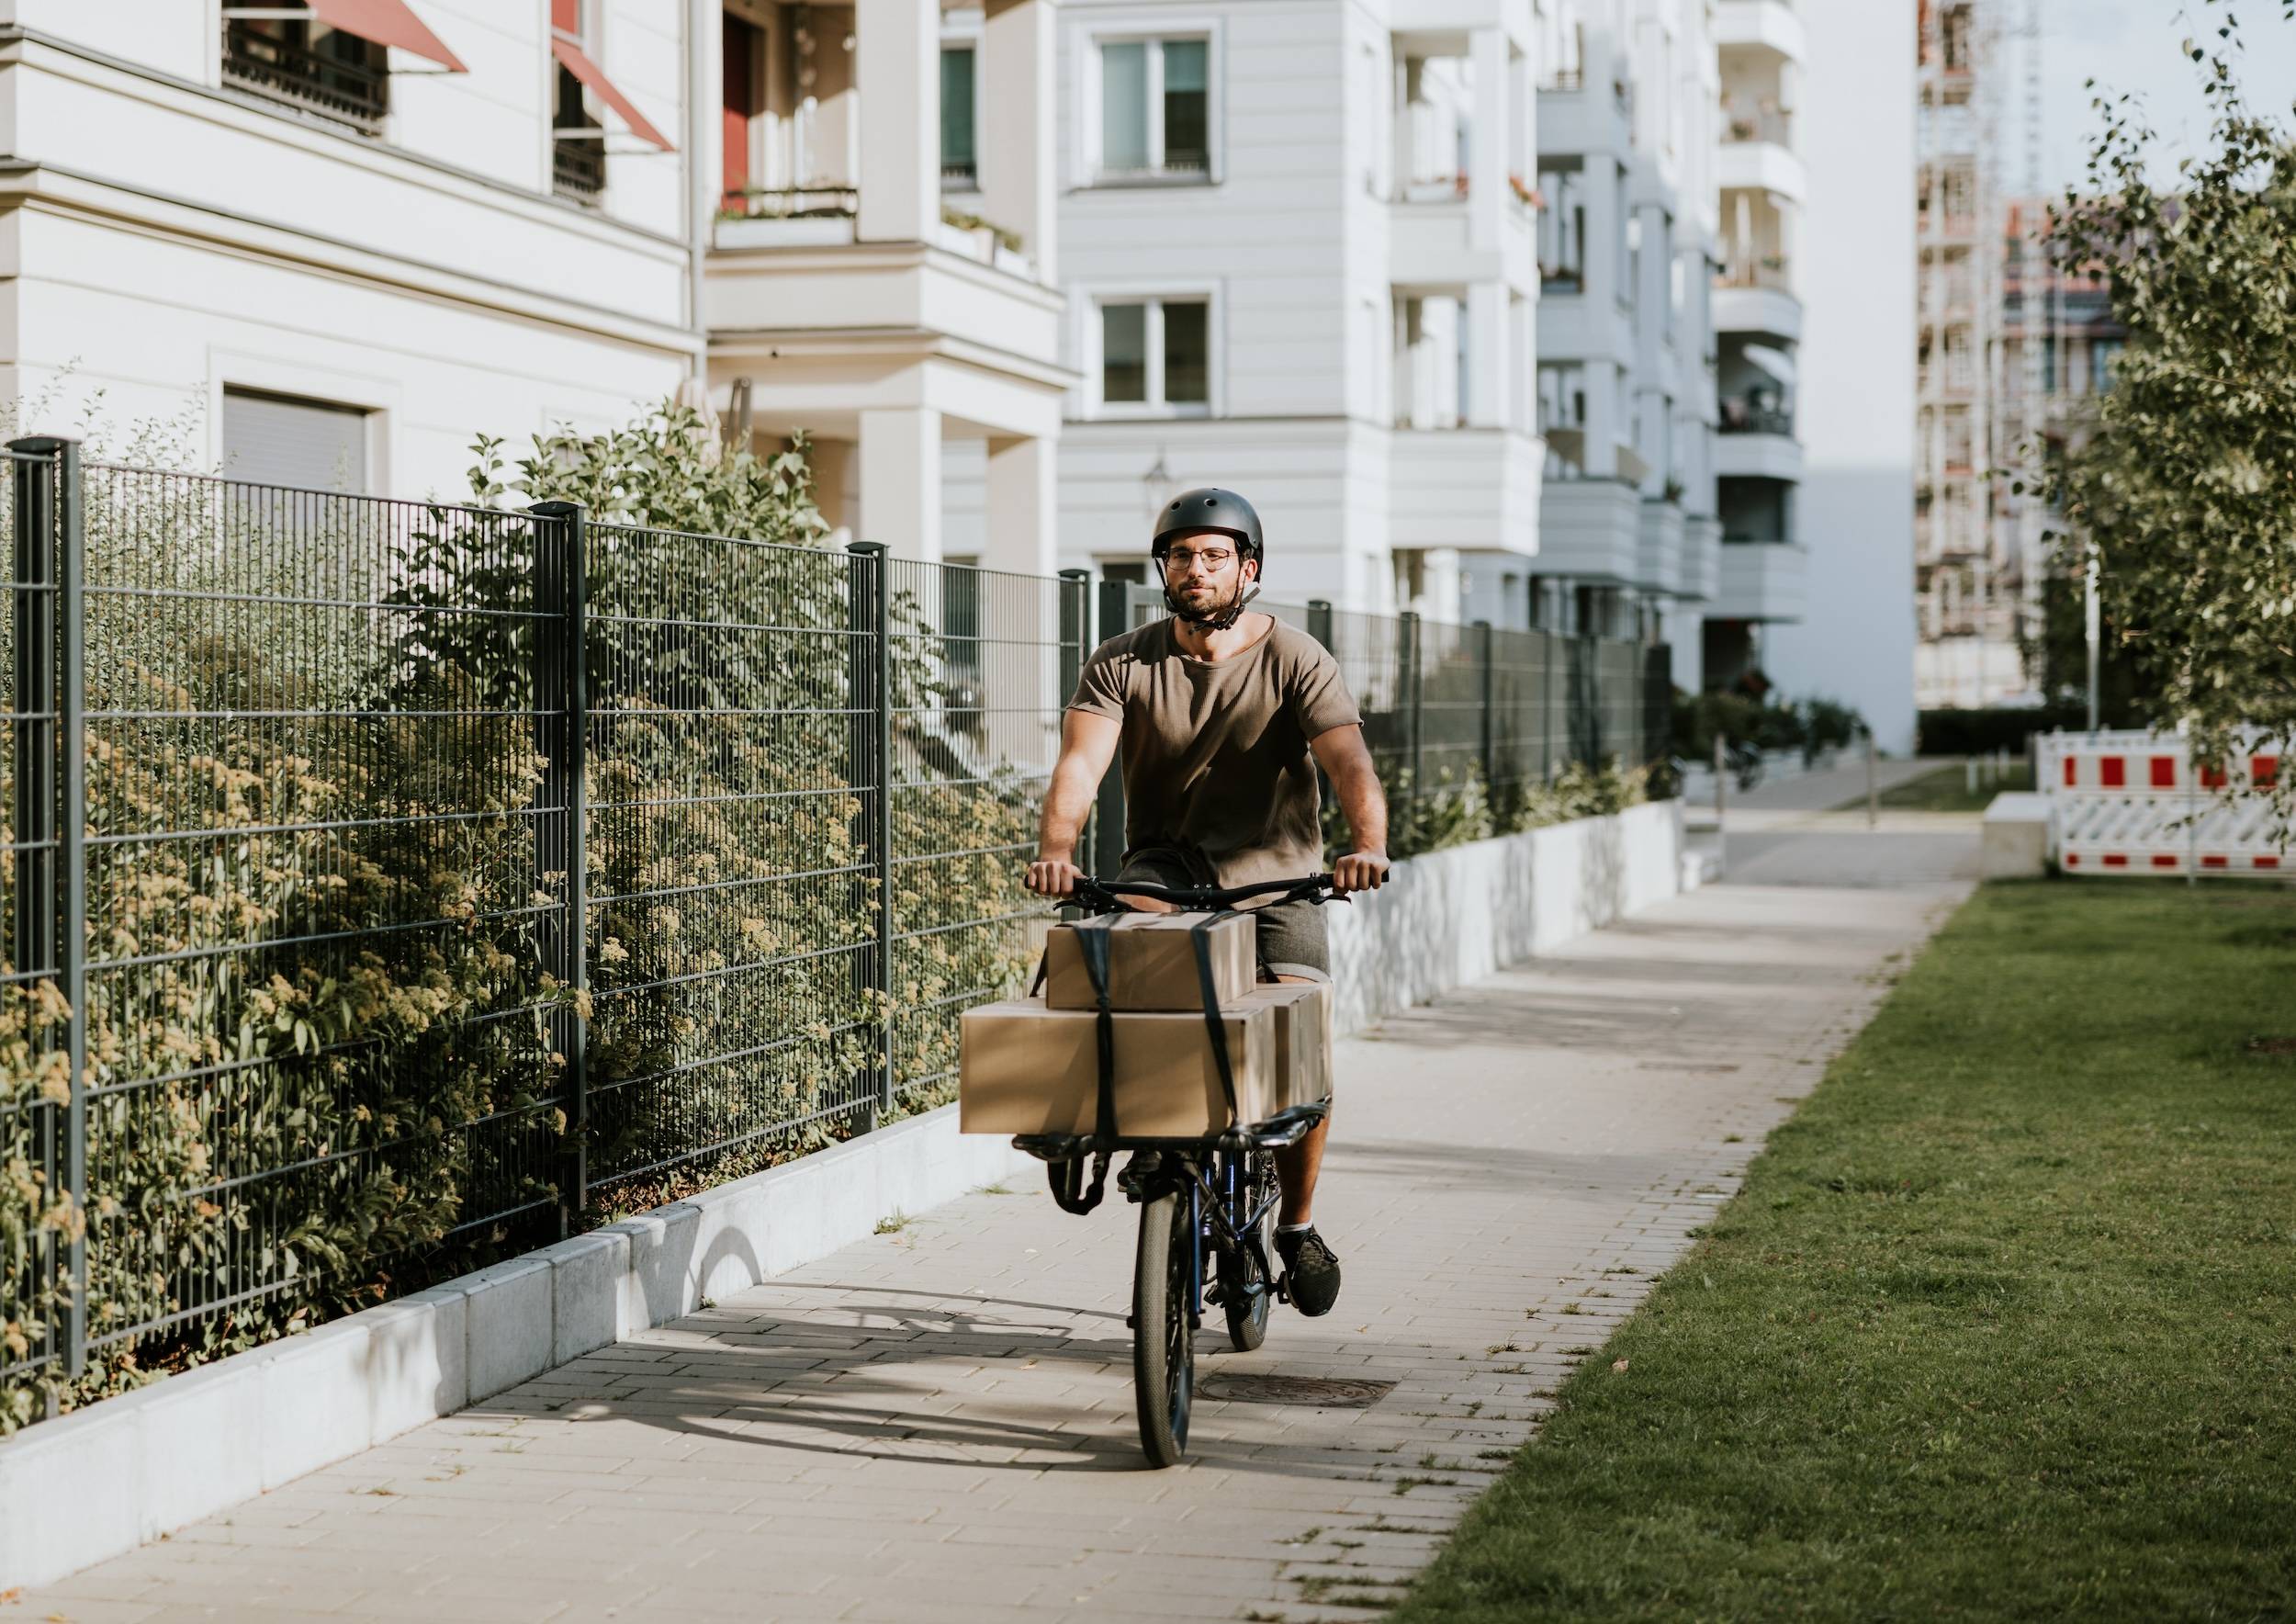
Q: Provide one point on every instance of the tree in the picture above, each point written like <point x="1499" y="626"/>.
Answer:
<point x="2185" y="490"/>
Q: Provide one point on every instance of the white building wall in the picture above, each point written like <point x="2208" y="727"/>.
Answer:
<point x="1856" y="411"/>
<point x="172" y="237"/>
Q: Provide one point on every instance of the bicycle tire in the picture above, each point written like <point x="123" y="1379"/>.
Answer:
<point x="1247" y="1326"/>
<point x="1164" y="1354"/>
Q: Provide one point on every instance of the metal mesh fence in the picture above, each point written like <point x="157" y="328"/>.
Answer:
<point x="417" y="882"/>
<point x="324" y="874"/>
<point x="981" y="663"/>
<point x="731" y="936"/>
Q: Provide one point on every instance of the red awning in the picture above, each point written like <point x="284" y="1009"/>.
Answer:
<point x="385" y="22"/>
<point x="570" y="56"/>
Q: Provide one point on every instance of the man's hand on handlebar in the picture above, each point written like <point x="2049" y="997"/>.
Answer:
<point x="1360" y="870"/>
<point x="1052" y="876"/>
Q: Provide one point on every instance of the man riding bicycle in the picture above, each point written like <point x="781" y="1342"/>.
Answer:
<point x="1222" y="717"/>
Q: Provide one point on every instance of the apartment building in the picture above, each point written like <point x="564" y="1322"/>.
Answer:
<point x="344" y="238"/>
<point x="1967" y="580"/>
<point x="882" y="269"/>
<point x="1629" y="516"/>
<point x="1299" y="242"/>
<point x="1852" y="271"/>
<point x="1763" y="187"/>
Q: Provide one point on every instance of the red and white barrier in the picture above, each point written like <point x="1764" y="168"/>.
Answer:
<point x="2131" y="802"/>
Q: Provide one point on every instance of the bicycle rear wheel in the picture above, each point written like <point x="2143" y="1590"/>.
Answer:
<point x="1239" y="1268"/>
<point x="1163" y="1350"/>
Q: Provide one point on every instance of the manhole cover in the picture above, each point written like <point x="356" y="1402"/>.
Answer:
<point x="1322" y="1393"/>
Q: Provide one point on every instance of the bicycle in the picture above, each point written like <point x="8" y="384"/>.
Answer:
<point x="1215" y="1195"/>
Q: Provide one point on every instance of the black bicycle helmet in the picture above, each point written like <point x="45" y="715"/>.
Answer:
<point x="1222" y="513"/>
<point x="1193" y="512"/>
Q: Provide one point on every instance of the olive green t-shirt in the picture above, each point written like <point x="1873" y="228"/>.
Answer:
<point x="1215" y="754"/>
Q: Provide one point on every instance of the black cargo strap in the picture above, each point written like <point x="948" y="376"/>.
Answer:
<point x="1093" y="944"/>
<point x="1199" y="934"/>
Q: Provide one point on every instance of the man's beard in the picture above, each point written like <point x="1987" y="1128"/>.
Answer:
<point x="1219" y="618"/>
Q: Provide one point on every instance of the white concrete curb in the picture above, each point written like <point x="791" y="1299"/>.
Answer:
<point x="106" y="1479"/>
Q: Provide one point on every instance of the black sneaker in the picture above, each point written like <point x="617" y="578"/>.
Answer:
<point x="1310" y="1271"/>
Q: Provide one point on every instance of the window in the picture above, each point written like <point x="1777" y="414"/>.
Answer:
<point x="958" y="150"/>
<point x="282" y="440"/>
<point x="1156" y="109"/>
<point x="578" y="140"/>
<point x="1156" y="353"/>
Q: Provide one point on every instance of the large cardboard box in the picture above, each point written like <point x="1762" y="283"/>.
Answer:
<point x="1303" y="1039"/>
<point x="1151" y="962"/>
<point x="1027" y="1068"/>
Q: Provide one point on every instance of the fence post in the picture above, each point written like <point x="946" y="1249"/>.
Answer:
<point x="1115" y="616"/>
<point x="51" y="807"/>
<point x="562" y="703"/>
<point x="1487" y="702"/>
<point x="1075" y="633"/>
<point x="872" y="706"/>
<point x="1547" y="705"/>
<point x="1319" y="622"/>
<point x="1407" y="692"/>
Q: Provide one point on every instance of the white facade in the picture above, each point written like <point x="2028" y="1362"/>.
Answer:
<point x="1855" y="392"/>
<point x="1324" y="249"/>
<point x="902" y="309"/>
<point x="189" y="229"/>
<point x="1626" y="359"/>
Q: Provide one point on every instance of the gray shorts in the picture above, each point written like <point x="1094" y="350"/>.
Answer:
<point x="1291" y="934"/>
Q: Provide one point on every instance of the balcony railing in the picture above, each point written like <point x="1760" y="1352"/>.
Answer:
<point x="1565" y="79"/>
<point x="578" y="167"/>
<point x="826" y="202"/>
<point x="1774" y="128"/>
<point x="962" y="175"/>
<point x="1741" y="415"/>
<point x="317" y="81"/>
<point x="1770" y="271"/>
<point x="1561" y="278"/>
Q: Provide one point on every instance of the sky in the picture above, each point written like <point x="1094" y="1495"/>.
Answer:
<point x="2133" y="45"/>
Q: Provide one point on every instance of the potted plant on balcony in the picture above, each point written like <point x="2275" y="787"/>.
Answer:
<point x="1528" y="196"/>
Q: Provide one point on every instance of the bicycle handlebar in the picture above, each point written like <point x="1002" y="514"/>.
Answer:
<point x="1109" y="895"/>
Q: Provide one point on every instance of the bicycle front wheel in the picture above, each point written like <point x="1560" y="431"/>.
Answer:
<point x="1164" y="1349"/>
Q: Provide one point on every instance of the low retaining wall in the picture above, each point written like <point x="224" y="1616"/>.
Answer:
<point x="108" y="1478"/>
<point x="1452" y="917"/>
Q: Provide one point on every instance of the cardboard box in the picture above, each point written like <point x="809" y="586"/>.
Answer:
<point x="1303" y="1039"/>
<point x="1027" y="1068"/>
<point x="1151" y="962"/>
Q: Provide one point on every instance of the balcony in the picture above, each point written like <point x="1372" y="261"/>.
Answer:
<point x="1761" y="580"/>
<point x="1763" y="25"/>
<point x="1658" y="547"/>
<point x="1772" y="312"/>
<point x="1762" y="163"/>
<point x="1702" y="559"/>
<point x="1576" y="119"/>
<point x="1591" y="530"/>
<point x="1756" y="441"/>
<point x="343" y="79"/>
<point x="1476" y="489"/>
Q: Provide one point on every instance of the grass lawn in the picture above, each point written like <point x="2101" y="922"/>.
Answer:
<point x="2002" y="1326"/>
<point x="1947" y="790"/>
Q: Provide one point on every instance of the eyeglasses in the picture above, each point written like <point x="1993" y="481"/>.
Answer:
<point x="1183" y="559"/>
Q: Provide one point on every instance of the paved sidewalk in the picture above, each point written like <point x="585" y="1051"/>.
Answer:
<point x="935" y="1425"/>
